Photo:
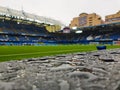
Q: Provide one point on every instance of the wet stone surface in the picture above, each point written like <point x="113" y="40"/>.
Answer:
<point x="96" y="70"/>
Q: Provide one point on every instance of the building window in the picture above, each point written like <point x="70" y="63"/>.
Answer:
<point x="90" y="17"/>
<point x="83" y="20"/>
<point x="99" y="18"/>
<point x="90" y="20"/>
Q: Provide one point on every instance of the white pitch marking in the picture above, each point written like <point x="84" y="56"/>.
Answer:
<point x="37" y="53"/>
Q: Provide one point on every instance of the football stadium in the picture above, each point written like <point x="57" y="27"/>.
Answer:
<point x="41" y="53"/>
<point x="23" y="32"/>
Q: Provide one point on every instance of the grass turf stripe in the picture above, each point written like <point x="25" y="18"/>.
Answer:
<point x="38" y="53"/>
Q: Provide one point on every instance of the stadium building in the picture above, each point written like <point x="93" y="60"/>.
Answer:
<point x="85" y="19"/>
<point x="113" y="18"/>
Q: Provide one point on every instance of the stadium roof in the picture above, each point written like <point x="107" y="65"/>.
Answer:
<point x="28" y="16"/>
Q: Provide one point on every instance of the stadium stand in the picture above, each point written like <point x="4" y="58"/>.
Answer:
<point x="100" y="34"/>
<point x="12" y="33"/>
<point x="20" y="28"/>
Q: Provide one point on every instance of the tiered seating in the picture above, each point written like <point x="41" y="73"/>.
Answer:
<point x="115" y="36"/>
<point x="1" y="37"/>
<point x="12" y="38"/>
<point x="12" y="33"/>
<point x="14" y="28"/>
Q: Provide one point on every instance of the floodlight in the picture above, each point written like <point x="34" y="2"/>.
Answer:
<point x="74" y="28"/>
<point x="80" y="31"/>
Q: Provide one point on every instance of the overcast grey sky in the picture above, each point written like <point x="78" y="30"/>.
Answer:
<point x="64" y="10"/>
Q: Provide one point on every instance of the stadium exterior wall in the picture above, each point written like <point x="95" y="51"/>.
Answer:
<point x="113" y="18"/>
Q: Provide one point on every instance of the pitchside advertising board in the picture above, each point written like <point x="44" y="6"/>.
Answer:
<point x="116" y="42"/>
<point x="66" y="30"/>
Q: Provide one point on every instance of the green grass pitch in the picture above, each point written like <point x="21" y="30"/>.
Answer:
<point x="21" y="52"/>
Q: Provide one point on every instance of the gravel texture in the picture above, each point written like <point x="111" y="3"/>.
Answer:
<point x="96" y="70"/>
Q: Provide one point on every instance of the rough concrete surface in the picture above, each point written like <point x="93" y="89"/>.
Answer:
<point x="96" y="70"/>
